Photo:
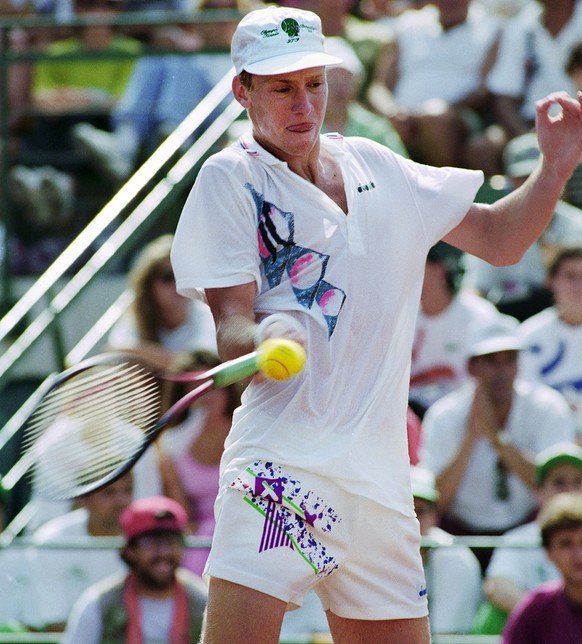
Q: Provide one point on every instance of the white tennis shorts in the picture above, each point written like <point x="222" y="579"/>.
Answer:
<point x="283" y="532"/>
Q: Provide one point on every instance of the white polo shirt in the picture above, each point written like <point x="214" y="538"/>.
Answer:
<point x="352" y="281"/>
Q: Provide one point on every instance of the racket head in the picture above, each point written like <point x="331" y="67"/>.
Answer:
<point x="91" y="425"/>
<point x="94" y="421"/>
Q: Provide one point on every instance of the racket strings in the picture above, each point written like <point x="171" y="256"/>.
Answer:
<point x="132" y="402"/>
<point x="78" y="397"/>
<point x="90" y="426"/>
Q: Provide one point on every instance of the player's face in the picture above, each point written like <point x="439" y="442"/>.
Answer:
<point x="565" y="550"/>
<point x="286" y="111"/>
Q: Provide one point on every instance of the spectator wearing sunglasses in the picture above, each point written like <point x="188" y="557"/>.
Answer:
<point x="481" y="441"/>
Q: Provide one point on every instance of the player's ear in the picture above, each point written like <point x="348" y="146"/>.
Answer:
<point x="240" y="92"/>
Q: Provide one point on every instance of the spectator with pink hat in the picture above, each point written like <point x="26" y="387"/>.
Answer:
<point x="156" y="600"/>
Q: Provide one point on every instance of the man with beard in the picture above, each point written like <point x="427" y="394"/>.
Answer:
<point x="156" y="600"/>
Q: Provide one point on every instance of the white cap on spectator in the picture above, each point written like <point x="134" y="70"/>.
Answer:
<point x="501" y="334"/>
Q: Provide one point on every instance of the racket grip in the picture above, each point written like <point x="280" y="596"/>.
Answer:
<point x="234" y="370"/>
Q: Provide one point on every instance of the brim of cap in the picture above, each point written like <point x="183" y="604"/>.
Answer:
<point x="140" y="533"/>
<point x="495" y="345"/>
<point x="291" y="63"/>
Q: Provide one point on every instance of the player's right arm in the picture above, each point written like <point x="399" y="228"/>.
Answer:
<point x="237" y="330"/>
<point x="233" y="311"/>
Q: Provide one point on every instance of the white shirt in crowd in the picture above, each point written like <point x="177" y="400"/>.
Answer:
<point x="539" y="417"/>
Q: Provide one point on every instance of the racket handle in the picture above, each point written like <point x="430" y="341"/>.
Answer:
<point x="234" y="370"/>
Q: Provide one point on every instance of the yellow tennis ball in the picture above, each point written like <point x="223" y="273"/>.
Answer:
<point x="280" y="359"/>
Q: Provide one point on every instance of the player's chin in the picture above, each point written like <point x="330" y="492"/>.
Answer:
<point x="303" y="137"/>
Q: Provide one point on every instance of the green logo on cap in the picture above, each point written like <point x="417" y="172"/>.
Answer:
<point x="291" y="27"/>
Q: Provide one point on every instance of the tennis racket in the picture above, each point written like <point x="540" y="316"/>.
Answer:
<point x="95" y="420"/>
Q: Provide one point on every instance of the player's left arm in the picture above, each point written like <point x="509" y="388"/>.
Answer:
<point x="501" y="232"/>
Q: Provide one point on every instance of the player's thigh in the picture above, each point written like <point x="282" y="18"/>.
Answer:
<point x="235" y="613"/>
<point x="393" y="631"/>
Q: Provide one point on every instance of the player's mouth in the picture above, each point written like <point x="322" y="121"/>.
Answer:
<point x="300" y="128"/>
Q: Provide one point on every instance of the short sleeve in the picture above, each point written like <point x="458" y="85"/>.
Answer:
<point x="215" y="243"/>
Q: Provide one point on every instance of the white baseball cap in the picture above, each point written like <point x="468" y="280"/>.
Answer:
<point x="499" y="334"/>
<point x="279" y="40"/>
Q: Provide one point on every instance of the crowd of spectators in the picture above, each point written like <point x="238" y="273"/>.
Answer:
<point x="495" y="427"/>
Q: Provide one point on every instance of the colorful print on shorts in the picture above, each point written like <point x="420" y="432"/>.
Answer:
<point x="292" y="515"/>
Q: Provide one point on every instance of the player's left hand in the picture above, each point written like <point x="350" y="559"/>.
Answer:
<point x="559" y="131"/>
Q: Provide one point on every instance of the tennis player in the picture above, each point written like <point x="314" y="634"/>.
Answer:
<point x="324" y="238"/>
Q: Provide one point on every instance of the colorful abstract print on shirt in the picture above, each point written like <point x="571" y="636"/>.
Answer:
<point x="292" y="515"/>
<point x="304" y="267"/>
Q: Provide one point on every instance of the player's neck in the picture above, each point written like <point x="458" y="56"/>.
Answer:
<point x="324" y="172"/>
